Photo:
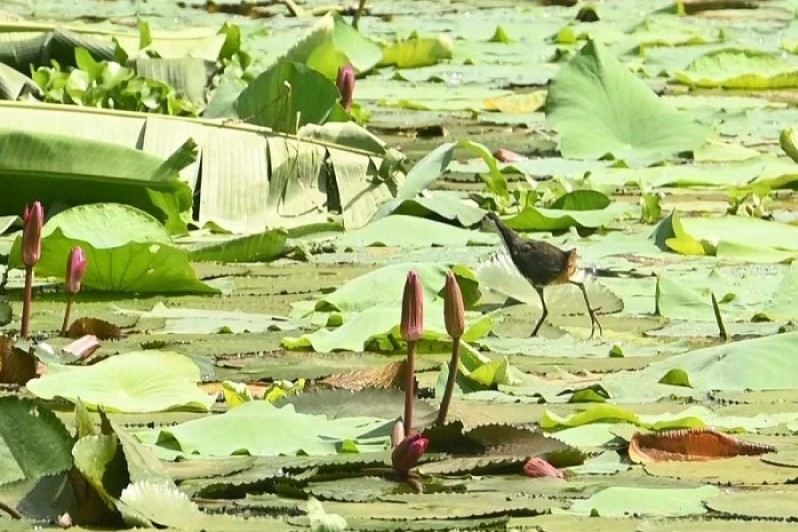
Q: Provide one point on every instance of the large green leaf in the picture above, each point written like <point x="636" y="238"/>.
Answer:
<point x="367" y="310"/>
<point x="761" y="364"/>
<point x="645" y="502"/>
<point x="541" y="219"/>
<point x="241" y="430"/>
<point x="142" y="381"/>
<point x="127" y="250"/>
<point x="740" y="69"/>
<point x="58" y="168"/>
<point x="412" y="232"/>
<point x="33" y="441"/>
<point x="730" y="237"/>
<point x="598" y="107"/>
<point x="287" y="96"/>
<point x="333" y="42"/>
<point x="434" y="164"/>
<point x="261" y="247"/>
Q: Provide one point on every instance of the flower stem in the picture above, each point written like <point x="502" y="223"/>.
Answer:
<point x="447" y="395"/>
<point x="358" y="13"/>
<point x="410" y="386"/>
<point x="27" y="296"/>
<point x="67" y="310"/>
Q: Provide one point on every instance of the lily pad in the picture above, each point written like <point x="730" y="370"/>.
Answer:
<point x="595" y="104"/>
<point x="740" y="69"/>
<point x="142" y="381"/>
<point x="127" y="250"/>
<point x="240" y="431"/>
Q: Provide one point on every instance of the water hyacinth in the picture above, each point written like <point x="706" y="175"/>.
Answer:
<point x="346" y="85"/>
<point x="33" y="220"/>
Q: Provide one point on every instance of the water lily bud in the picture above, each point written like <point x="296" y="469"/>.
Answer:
<point x="76" y="268"/>
<point x="412" y="324"/>
<point x="346" y="85"/>
<point x="453" y="310"/>
<point x="407" y="454"/>
<point x="32" y="234"/>
<point x="538" y="467"/>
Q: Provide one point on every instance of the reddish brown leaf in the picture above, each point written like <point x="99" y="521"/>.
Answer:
<point x="690" y="445"/>
<point x="94" y="326"/>
<point x="16" y="365"/>
<point x="388" y="376"/>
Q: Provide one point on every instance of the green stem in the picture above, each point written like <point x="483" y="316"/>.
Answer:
<point x="67" y="310"/>
<point x="27" y="297"/>
<point x="447" y="395"/>
<point x="356" y="18"/>
<point x="10" y="511"/>
<point x="410" y="386"/>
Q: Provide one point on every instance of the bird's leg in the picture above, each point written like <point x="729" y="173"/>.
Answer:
<point x="539" y="290"/>
<point x="593" y="319"/>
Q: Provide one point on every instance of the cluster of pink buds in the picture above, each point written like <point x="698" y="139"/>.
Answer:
<point x="33" y="220"/>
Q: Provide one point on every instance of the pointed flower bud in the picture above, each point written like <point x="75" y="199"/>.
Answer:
<point x="538" y="467"/>
<point x="453" y="310"/>
<point x="32" y="234"/>
<point x="412" y="324"/>
<point x="75" y="269"/>
<point x="406" y="455"/>
<point x="346" y="85"/>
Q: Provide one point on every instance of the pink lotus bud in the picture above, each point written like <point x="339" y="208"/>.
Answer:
<point x="32" y="234"/>
<point x="538" y="467"/>
<point x="406" y="455"/>
<point x="346" y="85"/>
<point x="453" y="311"/>
<point x="76" y="268"/>
<point x="412" y="324"/>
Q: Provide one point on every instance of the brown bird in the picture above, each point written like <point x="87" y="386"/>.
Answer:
<point x="542" y="264"/>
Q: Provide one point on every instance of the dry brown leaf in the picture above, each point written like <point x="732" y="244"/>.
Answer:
<point x="689" y="445"/>
<point x="83" y="346"/>
<point x="94" y="326"/>
<point x="384" y="377"/>
<point x="16" y="365"/>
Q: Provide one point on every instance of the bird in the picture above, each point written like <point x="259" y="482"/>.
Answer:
<point x="542" y="264"/>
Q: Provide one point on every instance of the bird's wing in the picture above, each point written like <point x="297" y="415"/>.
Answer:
<point x="498" y="273"/>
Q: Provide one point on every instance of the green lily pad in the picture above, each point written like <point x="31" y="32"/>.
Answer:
<point x="740" y="69"/>
<point x="645" y="502"/>
<point x="595" y="104"/>
<point x="240" y="431"/>
<point x="142" y="381"/>
<point x="417" y="52"/>
<point x="127" y="250"/>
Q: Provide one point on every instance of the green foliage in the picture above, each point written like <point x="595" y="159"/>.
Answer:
<point x="595" y="104"/>
<point x="109" y="85"/>
<point x="127" y="249"/>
